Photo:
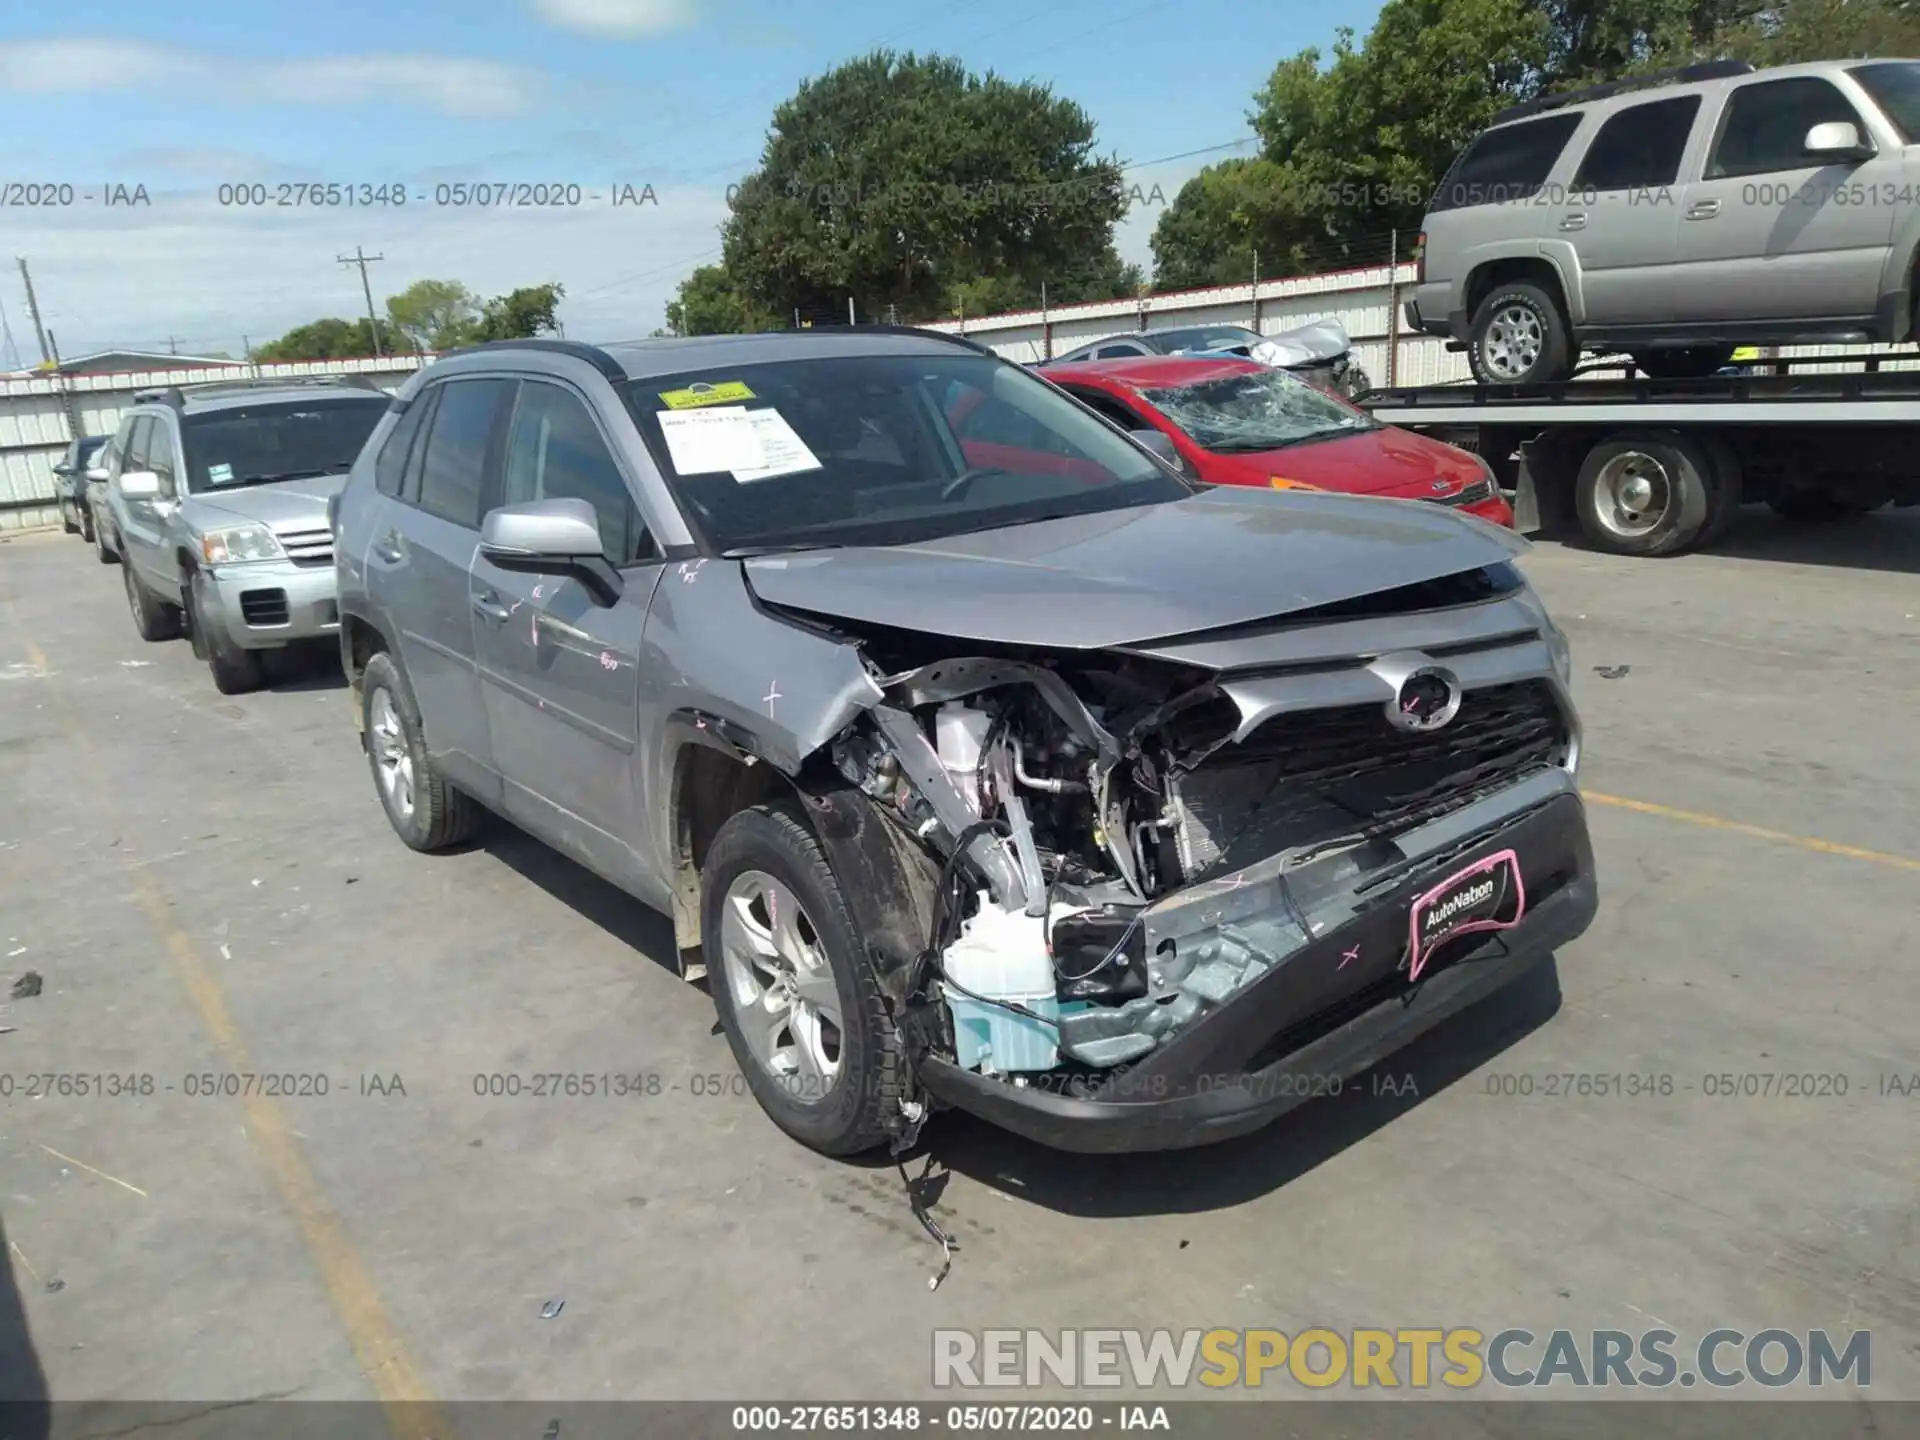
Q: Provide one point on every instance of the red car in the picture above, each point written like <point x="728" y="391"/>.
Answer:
<point x="1238" y="422"/>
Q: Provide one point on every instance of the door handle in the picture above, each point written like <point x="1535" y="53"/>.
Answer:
<point x="1574" y="222"/>
<point x="1703" y="210"/>
<point x="488" y="606"/>
<point x="389" y="548"/>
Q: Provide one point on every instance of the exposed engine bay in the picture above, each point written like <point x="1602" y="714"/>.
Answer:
<point x="1126" y="843"/>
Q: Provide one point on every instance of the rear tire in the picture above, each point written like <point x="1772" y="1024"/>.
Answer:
<point x="767" y="851"/>
<point x="1693" y="362"/>
<point x="1728" y="483"/>
<point x="1644" y="493"/>
<point x="425" y="809"/>
<point x="1520" y="336"/>
<point x="153" y="618"/>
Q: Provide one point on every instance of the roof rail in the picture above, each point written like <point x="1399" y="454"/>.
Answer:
<point x="951" y="337"/>
<point x="578" y="349"/>
<point x="178" y="395"/>
<point x="1684" y="75"/>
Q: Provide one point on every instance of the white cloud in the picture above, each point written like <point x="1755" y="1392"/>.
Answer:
<point x="616" y="17"/>
<point x="194" y="164"/>
<point x="187" y="268"/>
<point x="449" y="83"/>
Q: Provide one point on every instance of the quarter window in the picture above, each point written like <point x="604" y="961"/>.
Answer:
<point x="390" y="467"/>
<point x="1766" y="124"/>
<point x="1640" y="146"/>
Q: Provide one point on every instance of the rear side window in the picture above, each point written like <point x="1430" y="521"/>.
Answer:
<point x="1510" y="163"/>
<point x="390" y="466"/>
<point x="1765" y="126"/>
<point x="454" y="474"/>
<point x="1896" y="85"/>
<point x="1639" y="146"/>
<point x="135" y="458"/>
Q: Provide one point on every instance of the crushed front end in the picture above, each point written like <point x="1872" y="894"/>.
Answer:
<point x="1186" y="885"/>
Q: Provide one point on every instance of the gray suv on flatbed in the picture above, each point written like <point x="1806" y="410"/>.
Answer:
<point x="1678" y="216"/>
<point x="1010" y="772"/>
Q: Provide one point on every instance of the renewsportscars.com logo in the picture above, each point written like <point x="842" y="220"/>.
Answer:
<point x="1418" y="1359"/>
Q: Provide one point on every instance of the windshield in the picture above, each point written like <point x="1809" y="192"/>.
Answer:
<point x="1896" y="85"/>
<point x="1226" y="337"/>
<point x="291" y="440"/>
<point x="1258" y="410"/>
<point x="882" y="450"/>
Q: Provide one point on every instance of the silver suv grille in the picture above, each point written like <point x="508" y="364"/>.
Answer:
<point x="310" y="545"/>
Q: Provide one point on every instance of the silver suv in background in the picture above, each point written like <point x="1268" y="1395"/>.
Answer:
<point x="1678" y="216"/>
<point x="217" y="497"/>
<point x="1005" y="769"/>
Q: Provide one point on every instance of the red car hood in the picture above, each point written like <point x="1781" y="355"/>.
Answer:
<point x="1387" y="461"/>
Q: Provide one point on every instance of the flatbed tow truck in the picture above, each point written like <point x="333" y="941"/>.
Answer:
<point x="1657" y="467"/>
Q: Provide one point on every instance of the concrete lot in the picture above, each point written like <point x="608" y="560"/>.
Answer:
<point x="208" y="885"/>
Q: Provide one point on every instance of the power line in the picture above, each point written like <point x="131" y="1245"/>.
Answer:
<point x="373" y="320"/>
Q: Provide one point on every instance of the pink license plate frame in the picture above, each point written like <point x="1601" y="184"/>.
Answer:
<point x="1504" y="862"/>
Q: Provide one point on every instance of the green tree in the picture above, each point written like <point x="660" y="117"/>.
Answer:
<point x="520" y="314"/>
<point x="1784" y="34"/>
<point x="332" y="339"/>
<point x="709" y="303"/>
<point x="1227" y="219"/>
<point x="904" y="180"/>
<point x="434" y="314"/>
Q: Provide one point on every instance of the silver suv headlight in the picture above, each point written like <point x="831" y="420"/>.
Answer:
<point x="1562" y="651"/>
<point x="240" y="544"/>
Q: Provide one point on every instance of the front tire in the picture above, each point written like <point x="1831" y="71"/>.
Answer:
<point x="153" y="618"/>
<point x="1645" y="493"/>
<point x="68" y="525"/>
<point x="422" y="805"/>
<point x="800" y="1005"/>
<point x="1520" y="337"/>
<point x="101" y="551"/>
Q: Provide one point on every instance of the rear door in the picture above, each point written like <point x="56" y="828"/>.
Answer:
<point x="1622" y="209"/>
<point x="1767" y="232"/>
<point x="557" y="667"/>
<point x="138" y="520"/>
<point x="424" y="546"/>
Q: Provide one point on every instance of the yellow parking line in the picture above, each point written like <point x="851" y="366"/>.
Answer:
<point x="410" y="1409"/>
<point x="1756" y="832"/>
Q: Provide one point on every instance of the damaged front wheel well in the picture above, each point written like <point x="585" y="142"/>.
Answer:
<point x="709" y="788"/>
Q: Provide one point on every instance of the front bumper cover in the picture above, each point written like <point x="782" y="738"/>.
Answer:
<point x="1329" y="1011"/>
<point x="294" y="602"/>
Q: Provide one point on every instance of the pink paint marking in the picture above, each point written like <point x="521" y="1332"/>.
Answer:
<point x="1418" y="957"/>
<point x="1347" y="957"/>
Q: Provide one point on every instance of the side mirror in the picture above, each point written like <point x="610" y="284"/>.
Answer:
<point x="139" y="485"/>
<point x="1837" y="140"/>
<point x="1159" y="444"/>
<point x="62" y="469"/>
<point x="551" y="537"/>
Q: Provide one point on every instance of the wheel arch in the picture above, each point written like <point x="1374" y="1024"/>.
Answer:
<point x="1507" y="270"/>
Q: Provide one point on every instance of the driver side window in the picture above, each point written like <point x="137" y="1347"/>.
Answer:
<point x="556" y="451"/>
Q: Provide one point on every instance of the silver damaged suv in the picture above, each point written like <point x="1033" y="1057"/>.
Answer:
<point x="217" y="501"/>
<point x="1678" y="216"/>
<point x="1007" y="771"/>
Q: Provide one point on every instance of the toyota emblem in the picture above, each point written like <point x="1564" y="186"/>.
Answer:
<point x="1428" y="699"/>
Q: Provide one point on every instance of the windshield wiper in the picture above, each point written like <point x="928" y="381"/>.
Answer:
<point x="786" y="547"/>
<point x="293" y="475"/>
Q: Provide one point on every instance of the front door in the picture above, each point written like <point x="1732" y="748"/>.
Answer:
<point x="1770" y="233"/>
<point x="557" y="666"/>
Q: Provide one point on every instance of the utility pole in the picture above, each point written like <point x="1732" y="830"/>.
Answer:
<point x="33" y="309"/>
<point x="173" y="346"/>
<point x="373" y="321"/>
<point x="9" y="353"/>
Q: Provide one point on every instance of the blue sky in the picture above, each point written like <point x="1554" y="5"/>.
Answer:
<point x="598" y="93"/>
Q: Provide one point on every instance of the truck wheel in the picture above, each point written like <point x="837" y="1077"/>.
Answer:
<point x="800" y="1006"/>
<point x="1815" y="507"/>
<point x="153" y="619"/>
<point x="422" y="805"/>
<point x="1519" y="337"/>
<point x="1693" y="362"/>
<point x="1647" y="493"/>
<point x="1727" y="484"/>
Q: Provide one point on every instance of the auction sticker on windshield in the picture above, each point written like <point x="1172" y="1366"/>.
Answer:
<point x="219" y="474"/>
<point x="728" y="392"/>
<point x="750" y="444"/>
<point x="782" y="452"/>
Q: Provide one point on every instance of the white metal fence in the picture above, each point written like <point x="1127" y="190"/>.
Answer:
<point x="40" y="416"/>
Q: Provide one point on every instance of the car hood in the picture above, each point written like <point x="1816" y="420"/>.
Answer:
<point x="1387" y="461"/>
<point x="1222" y="557"/>
<point x="287" y="504"/>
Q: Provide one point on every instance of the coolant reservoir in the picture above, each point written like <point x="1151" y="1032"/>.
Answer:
<point x="1002" y="955"/>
